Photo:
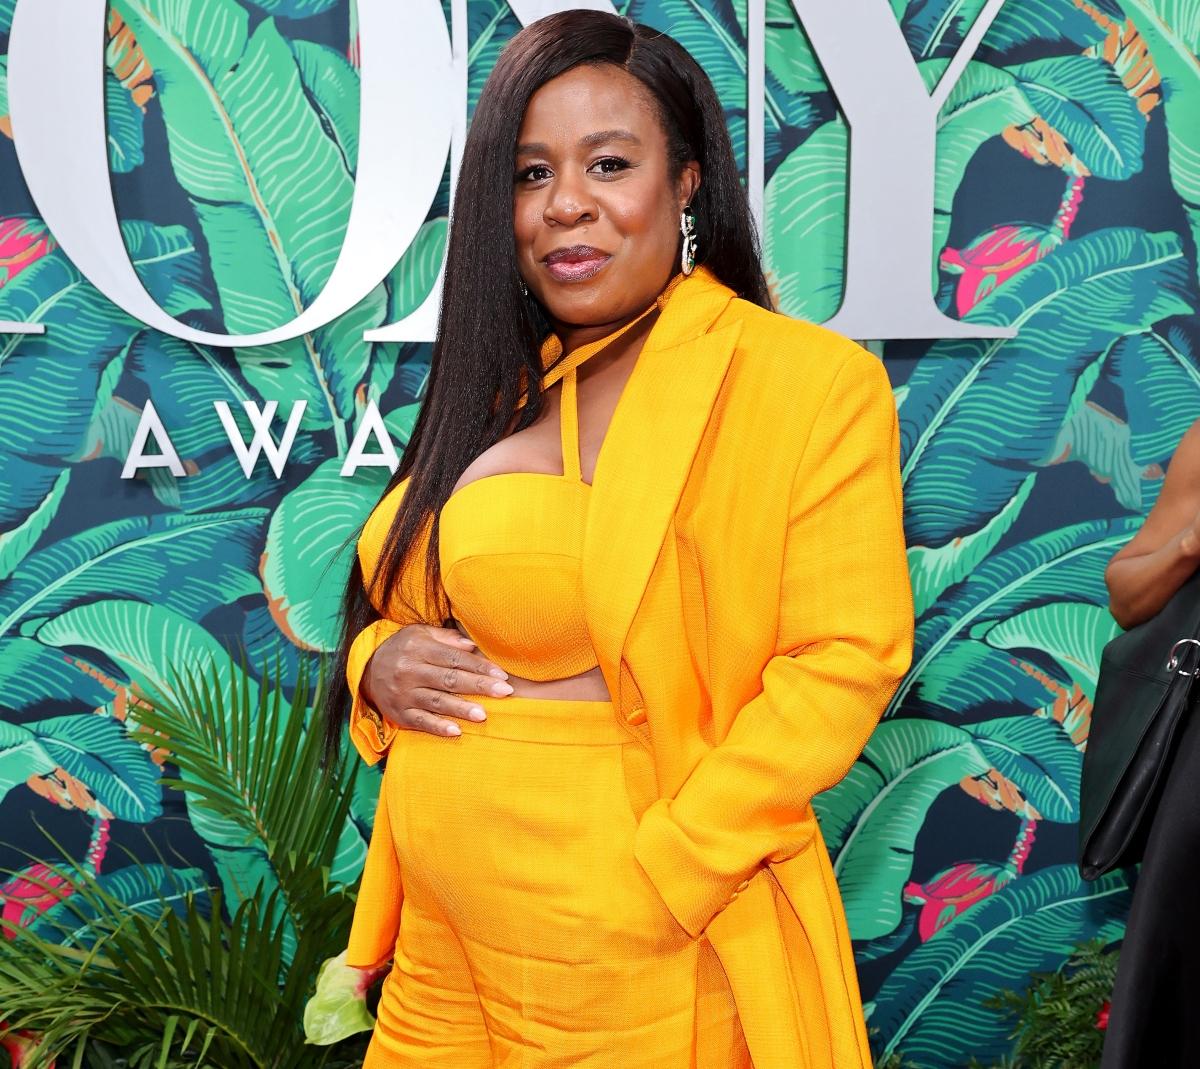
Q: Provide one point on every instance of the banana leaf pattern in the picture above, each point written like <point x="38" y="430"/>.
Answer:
<point x="1067" y="204"/>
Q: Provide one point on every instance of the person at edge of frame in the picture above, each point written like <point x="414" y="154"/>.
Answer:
<point x="1153" y="1018"/>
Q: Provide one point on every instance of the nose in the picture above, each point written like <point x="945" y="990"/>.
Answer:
<point x="569" y="201"/>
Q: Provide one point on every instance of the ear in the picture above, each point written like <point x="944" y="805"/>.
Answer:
<point x="689" y="183"/>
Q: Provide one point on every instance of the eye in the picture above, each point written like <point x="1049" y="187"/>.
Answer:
<point x="529" y="171"/>
<point x="619" y="163"/>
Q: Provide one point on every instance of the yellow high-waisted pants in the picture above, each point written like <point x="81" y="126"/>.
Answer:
<point x="529" y="935"/>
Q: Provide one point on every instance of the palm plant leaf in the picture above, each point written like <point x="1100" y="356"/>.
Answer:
<point x="146" y="962"/>
<point x="247" y="761"/>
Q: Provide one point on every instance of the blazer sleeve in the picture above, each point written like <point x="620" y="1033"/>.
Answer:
<point x="370" y="733"/>
<point x="844" y="641"/>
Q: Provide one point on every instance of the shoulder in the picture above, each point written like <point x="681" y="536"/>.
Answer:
<point x="806" y="360"/>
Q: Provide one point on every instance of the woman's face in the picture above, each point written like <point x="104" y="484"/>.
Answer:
<point x="591" y="192"/>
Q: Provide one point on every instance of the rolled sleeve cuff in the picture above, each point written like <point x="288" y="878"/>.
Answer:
<point x="692" y="892"/>
<point x="369" y="732"/>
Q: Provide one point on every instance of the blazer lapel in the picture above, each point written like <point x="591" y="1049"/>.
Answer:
<point x="646" y="455"/>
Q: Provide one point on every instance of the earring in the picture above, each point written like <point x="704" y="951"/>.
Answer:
<point x="687" y="225"/>
<point x="524" y="289"/>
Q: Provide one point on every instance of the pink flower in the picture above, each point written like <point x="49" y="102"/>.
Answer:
<point x="22" y="242"/>
<point x="951" y="892"/>
<point x="995" y="256"/>
<point x="29" y="894"/>
<point x="18" y="1046"/>
<point x="991" y="260"/>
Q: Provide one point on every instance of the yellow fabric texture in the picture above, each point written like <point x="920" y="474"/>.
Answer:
<point x="746" y="589"/>
<point x="535" y="631"/>
<point x="528" y="935"/>
<point x="515" y="586"/>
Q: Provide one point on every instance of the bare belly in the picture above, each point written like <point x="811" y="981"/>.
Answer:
<point x="586" y="686"/>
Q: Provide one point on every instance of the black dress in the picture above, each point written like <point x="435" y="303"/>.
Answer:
<point x="1155" y="1018"/>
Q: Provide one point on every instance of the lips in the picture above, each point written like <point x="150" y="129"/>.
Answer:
<point x="575" y="263"/>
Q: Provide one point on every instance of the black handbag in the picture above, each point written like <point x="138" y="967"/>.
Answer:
<point x="1147" y="683"/>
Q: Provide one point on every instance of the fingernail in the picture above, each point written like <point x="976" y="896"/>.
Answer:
<point x="499" y="673"/>
<point x="502" y="688"/>
<point x="466" y="642"/>
<point x="453" y="729"/>
<point x="475" y="713"/>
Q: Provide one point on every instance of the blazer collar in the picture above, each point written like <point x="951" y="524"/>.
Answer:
<point x="646" y="456"/>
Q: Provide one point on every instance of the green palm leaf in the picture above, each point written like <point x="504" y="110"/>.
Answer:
<point x="93" y="748"/>
<point x="789" y="53"/>
<point x="310" y="545"/>
<point x="981" y="414"/>
<point x="148" y="964"/>
<point x="1064" y="564"/>
<point x="53" y="385"/>
<point x="1104" y="443"/>
<point x="870" y="820"/>
<point x="191" y="992"/>
<point x="273" y="237"/>
<point x="153" y="645"/>
<point x="1073" y="634"/>
<point x="294" y="9"/>
<point x="490" y="24"/>
<point x="140" y="888"/>
<point x="1036" y="754"/>
<point x="17" y="541"/>
<point x="1171" y="29"/>
<point x="933" y="569"/>
<point x="123" y="126"/>
<point x="1158" y="374"/>
<point x="967" y="676"/>
<point x="245" y="759"/>
<point x="929" y="1006"/>
<point x="938" y="26"/>
<point x="805" y="240"/>
<point x="127" y="558"/>
<point x="33" y="673"/>
<point x="1085" y="100"/>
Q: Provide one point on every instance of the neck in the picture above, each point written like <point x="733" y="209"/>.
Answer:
<point x="575" y="337"/>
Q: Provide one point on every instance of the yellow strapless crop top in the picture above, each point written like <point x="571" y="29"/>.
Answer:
<point x="510" y="546"/>
<point x="510" y="549"/>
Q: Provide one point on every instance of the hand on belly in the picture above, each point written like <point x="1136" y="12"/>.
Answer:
<point x="586" y="686"/>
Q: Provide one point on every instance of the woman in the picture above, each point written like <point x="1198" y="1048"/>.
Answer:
<point x="1153" y="1019"/>
<point x="687" y="556"/>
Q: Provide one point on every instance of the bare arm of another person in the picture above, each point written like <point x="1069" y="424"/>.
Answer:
<point x="1145" y="572"/>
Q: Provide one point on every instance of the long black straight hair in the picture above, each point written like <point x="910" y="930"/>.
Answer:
<point x="488" y="348"/>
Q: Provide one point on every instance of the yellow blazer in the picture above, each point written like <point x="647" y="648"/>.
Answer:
<point x="746" y="585"/>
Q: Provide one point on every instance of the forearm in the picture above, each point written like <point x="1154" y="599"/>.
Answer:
<point x="843" y="642"/>
<point x="748" y="802"/>
<point x="1139" y="586"/>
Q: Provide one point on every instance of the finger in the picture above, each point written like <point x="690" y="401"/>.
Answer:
<point x="420" y="720"/>
<point x="457" y="681"/>
<point x="448" y="656"/>
<point x="451" y="635"/>
<point x="443" y="703"/>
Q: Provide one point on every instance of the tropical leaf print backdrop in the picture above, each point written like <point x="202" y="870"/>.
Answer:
<point x="1068" y="204"/>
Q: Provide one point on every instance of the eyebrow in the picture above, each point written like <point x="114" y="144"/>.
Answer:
<point x="600" y="137"/>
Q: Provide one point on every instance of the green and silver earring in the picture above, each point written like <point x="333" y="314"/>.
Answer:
<point x="687" y="225"/>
